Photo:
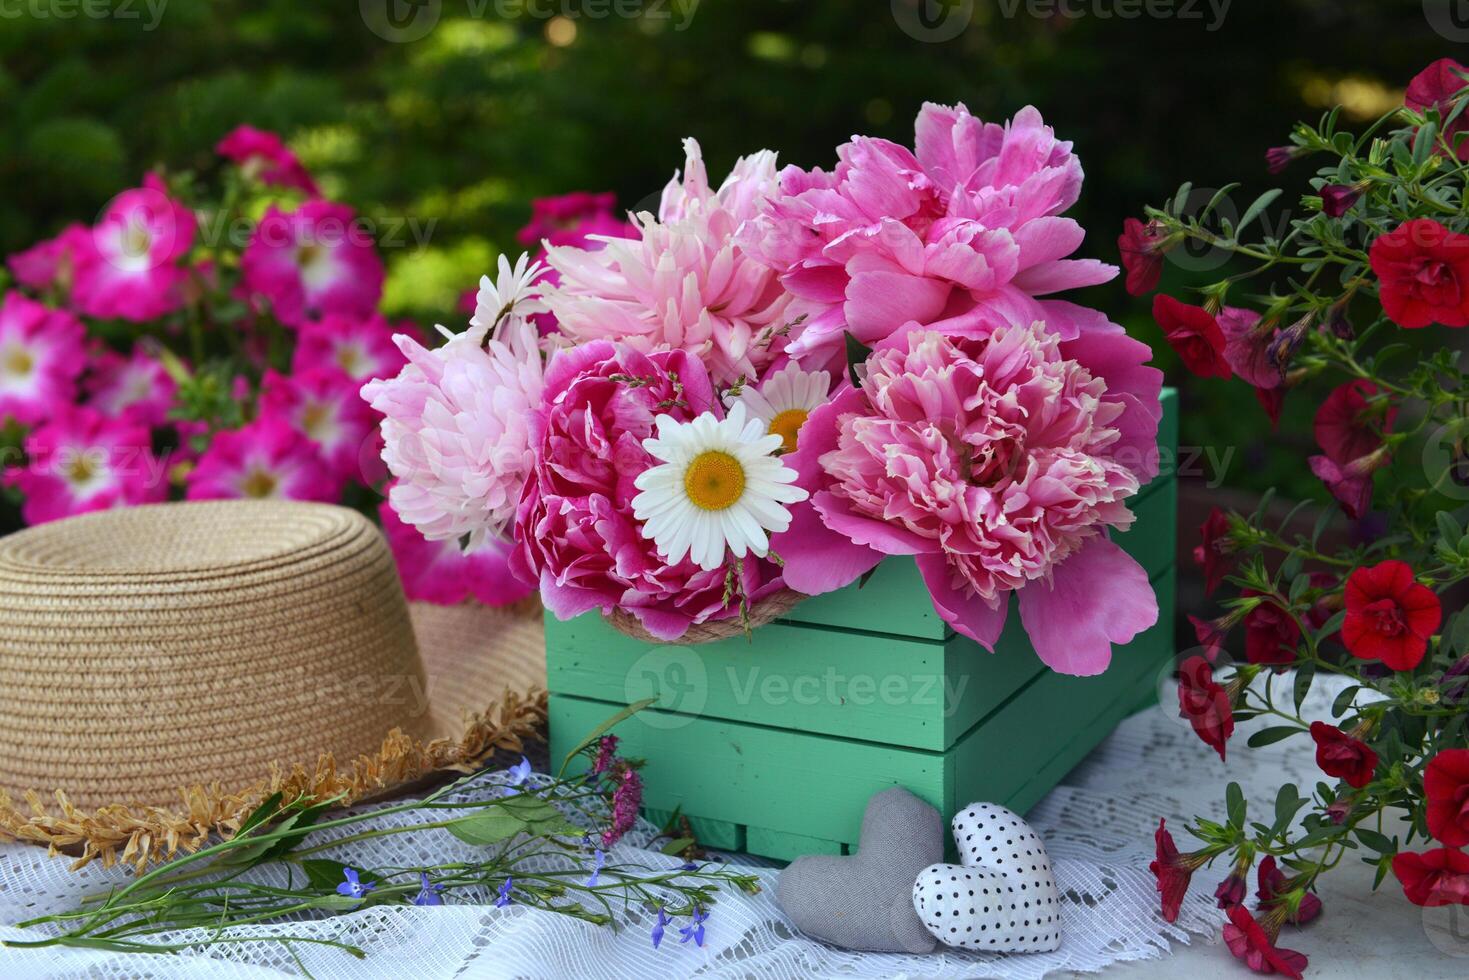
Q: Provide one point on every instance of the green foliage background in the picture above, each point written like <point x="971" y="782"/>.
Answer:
<point x="457" y="131"/>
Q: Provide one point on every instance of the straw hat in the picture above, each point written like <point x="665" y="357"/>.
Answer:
<point x="163" y="669"/>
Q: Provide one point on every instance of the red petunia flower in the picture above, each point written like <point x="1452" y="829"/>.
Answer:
<point x="1434" y="878"/>
<point x="1142" y="247"/>
<point x="1274" y="884"/>
<point x="1271" y="633"/>
<point x="1231" y="890"/>
<point x="1422" y="270"/>
<point x="1213" y="549"/>
<point x="1205" y="703"/>
<point x="1210" y="634"/>
<point x="1446" y="786"/>
<point x="1341" y="756"/>
<point x="1272" y="400"/>
<point x="1251" y="942"/>
<point x="1194" y="334"/>
<point x="1390" y="616"/>
<point x="1173" y="870"/>
<point x="1346" y="427"/>
<point x="1337" y="199"/>
<point x="1434" y="88"/>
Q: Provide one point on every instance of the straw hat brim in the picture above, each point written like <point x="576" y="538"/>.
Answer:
<point x="485" y="675"/>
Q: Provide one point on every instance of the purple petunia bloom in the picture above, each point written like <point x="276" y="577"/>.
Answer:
<point x="658" y="927"/>
<point x="695" y="930"/>
<point x="354" y="887"/>
<point x="519" y="773"/>
<point x="600" y="858"/>
<point x="428" y="892"/>
<point x="503" y="894"/>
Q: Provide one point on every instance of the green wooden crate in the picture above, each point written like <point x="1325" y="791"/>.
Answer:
<point x="774" y="744"/>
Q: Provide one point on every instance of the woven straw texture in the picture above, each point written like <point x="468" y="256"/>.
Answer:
<point x="149" y="653"/>
<point x="767" y="610"/>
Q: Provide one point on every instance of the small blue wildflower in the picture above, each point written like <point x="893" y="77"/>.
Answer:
<point x="519" y="773"/>
<point x="688" y="866"/>
<point x="695" y="930"/>
<point x="601" y="862"/>
<point x="428" y="892"/>
<point x="658" y="926"/>
<point x="504" y="893"/>
<point x="354" y="887"/>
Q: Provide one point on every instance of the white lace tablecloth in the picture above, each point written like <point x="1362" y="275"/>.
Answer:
<point x="1098" y="827"/>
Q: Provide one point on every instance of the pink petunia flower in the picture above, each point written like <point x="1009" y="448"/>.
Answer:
<point x="81" y="461"/>
<point x="581" y="220"/>
<point x="999" y="462"/>
<point x="131" y="269"/>
<point x="263" y="156"/>
<point x="53" y="263"/>
<point x="323" y="406"/>
<point x="136" y="388"/>
<point x="685" y="283"/>
<point x="962" y="231"/>
<point x="440" y="573"/>
<point x="362" y="348"/>
<point x="267" y="458"/>
<point x="313" y="261"/>
<point x="575" y="532"/>
<point x="40" y="358"/>
<point x="457" y="430"/>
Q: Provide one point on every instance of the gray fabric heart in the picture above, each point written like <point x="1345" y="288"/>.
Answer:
<point x="865" y="901"/>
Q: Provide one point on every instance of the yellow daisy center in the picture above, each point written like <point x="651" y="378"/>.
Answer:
<point x="714" y="480"/>
<point x="786" y="425"/>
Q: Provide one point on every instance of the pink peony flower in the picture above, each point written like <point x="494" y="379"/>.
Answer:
<point x="136" y="388"/>
<point x="684" y="283"/>
<point x="131" y="269"/>
<point x="41" y="355"/>
<point x="265" y="459"/>
<point x="574" y="530"/>
<point x="962" y="231"/>
<point x="438" y="572"/>
<point x="999" y="462"/>
<point x="81" y="461"/>
<point x="313" y="261"/>
<point x="360" y="347"/>
<point x="53" y="263"/>
<point x="263" y="156"/>
<point x="457" y="431"/>
<point x="323" y="406"/>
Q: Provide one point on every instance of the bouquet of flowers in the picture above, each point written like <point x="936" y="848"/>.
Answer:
<point x="772" y="384"/>
<point x="1334" y="299"/>
<point x="206" y="338"/>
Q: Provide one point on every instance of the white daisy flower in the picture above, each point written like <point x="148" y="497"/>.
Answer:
<point x="718" y="488"/>
<point x="785" y="400"/>
<point x="514" y="291"/>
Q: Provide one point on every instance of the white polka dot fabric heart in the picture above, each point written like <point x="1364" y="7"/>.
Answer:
<point x="1002" y="898"/>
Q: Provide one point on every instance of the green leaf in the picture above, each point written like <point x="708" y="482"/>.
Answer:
<point x="1423" y="142"/>
<point x="491" y="825"/>
<point x="260" y="814"/>
<point x="1332" y="625"/>
<point x="1459" y="639"/>
<point x="602" y="729"/>
<point x="1180" y="200"/>
<point x="1380" y="843"/>
<point x="677" y="847"/>
<point x="1254" y="210"/>
<point x="1271" y="735"/>
<point x="1304" y="676"/>
<point x="324" y="873"/>
<point x="1344" y="700"/>
<point x="857" y="354"/>
<point x="1449" y="528"/>
<point x="1234" y="805"/>
<point x="1288" y="803"/>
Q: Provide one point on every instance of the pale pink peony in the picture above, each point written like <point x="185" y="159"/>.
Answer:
<point x="961" y="231"/>
<point x="41" y="354"/>
<point x="574" y="532"/>
<point x="999" y="462"/>
<point x="52" y="264"/>
<point x="360" y="347"/>
<point x="439" y="573"/>
<point x="136" y="388"/>
<point x="263" y="156"/>
<point x="323" y="406"/>
<point x="684" y="283"/>
<point x="457" y="431"/>
<point x="266" y="459"/>
<point x="81" y="461"/>
<point x="315" y="260"/>
<point x="131" y="269"/>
